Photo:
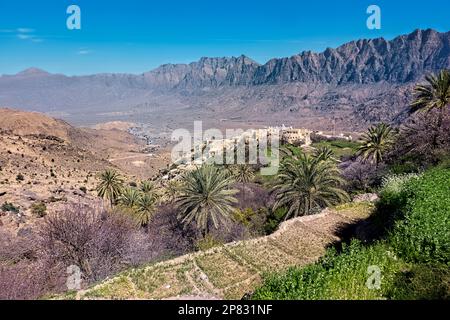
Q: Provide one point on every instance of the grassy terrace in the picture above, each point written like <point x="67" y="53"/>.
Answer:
<point x="232" y="270"/>
<point x="340" y="148"/>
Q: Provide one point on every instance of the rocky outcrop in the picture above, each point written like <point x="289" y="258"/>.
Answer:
<point x="403" y="59"/>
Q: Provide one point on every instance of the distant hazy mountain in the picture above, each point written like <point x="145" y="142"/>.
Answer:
<point x="281" y="87"/>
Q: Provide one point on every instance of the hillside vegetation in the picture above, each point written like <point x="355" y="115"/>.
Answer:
<point x="235" y="269"/>
<point x="412" y="259"/>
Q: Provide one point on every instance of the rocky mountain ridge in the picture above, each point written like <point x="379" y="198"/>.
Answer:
<point x="356" y="81"/>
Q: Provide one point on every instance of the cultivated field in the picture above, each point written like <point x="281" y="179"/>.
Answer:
<point x="232" y="270"/>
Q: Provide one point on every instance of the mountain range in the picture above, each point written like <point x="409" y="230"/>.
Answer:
<point x="355" y="84"/>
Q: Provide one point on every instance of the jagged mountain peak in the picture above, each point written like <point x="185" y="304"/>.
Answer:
<point x="403" y="59"/>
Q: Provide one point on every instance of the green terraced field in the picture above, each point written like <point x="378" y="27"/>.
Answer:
<point x="232" y="270"/>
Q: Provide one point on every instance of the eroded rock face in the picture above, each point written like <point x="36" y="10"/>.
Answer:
<point x="403" y="59"/>
<point x="369" y="79"/>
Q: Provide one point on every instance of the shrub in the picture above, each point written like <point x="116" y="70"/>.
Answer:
<point x="167" y="235"/>
<point x="395" y="184"/>
<point x="22" y="274"/>
<point x="244" y="216"/>
<point x="392" y="201"/>
<point x="28" y="280"/>
<point x="274" y="220"/>
<point x="207" y="242"/>
<point x="413" y="146"/>
<point x="405" y="166"/>
<point x="96" y="241"/>
<point x="361" y="176"/>
<point x="39" y="209"/>
<point x="20" y="177"/>
<point x="9" y="207"/>
<point x="253" y="220"/>
<point x="83" y="189"/>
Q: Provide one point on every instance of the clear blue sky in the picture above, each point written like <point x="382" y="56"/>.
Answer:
<point x="138" y="35"/>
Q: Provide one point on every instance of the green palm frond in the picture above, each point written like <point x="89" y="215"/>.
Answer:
<point x="171" y="190"/>
<point x="324" y="154"/>
<point x="111" y="186"/>
<point x="376" y="142"/>
<point x="206" y="196"/>
<point x="129" y="198"/>
<point x="147" y="187"/>
<point x="242" y="173"/>
<point x="145" y="209"/>
<point x="307" y="184"/>
<point x="435" y="94"/>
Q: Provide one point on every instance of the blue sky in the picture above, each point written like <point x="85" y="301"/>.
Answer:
<point x="137" y="35"/>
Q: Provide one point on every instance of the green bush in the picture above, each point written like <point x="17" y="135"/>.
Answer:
<point x="422" y="235"/>
<point x="39" y="209"/>
<point x="335" y="276"/>
<point x="413" y="259"/>
<point x="405" y="164"/>
<point x="244" y="216"/>
<point x="274" y="220"/>
<point x="393" y="200"/>
<point x="396" y="183"/>
<point x="9" y="207"/>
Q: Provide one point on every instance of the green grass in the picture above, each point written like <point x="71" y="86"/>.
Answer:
<point x="413" y="258"/>
<point x="355" y="210"/>
<point x="336" y="276"/>
<point x="340" y="148"/>
<point x="423" y="232"/>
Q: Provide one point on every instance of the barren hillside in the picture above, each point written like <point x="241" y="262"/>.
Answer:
<point x="47" y="160"/>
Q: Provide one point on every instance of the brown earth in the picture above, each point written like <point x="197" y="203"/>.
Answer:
<point x="47" y="160"/>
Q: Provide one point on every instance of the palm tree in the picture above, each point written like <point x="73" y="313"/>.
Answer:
<point x="324" y="154"/>
<point x="206" y="197"/>
<point x="433" y="95"/>
<point x="172" y="190"/>
<point x="111" y="185"/>
<point x="146" y="207"/>
<point x="129" y="198"/>
<point x="376" y="142"/>
<point x="146" y="187"/>
<point x="306" y="184"/>
<point x="242" y="173"/>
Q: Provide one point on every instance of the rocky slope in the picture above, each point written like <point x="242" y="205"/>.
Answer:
<point x="403" y="59"/>
<point x="47" y="160"/>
